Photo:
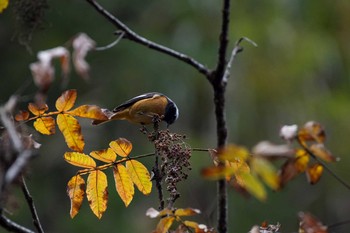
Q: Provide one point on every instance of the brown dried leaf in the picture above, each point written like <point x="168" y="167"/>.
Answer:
<point x="310" y="224"/>
<point x="22" y="115"/>
<point x="312" y="131"/>
<point x="321" y="151"/>
<point x="82" y="44"/>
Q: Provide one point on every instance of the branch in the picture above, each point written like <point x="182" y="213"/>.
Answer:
<point x="31" y="205"/>
<point x="12" y="226"/>
<point x="133" y="36"/>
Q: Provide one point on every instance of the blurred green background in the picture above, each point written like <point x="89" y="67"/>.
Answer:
<point x="298" y="72"/>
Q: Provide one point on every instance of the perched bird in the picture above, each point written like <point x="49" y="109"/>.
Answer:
<point x="143" y="109"/>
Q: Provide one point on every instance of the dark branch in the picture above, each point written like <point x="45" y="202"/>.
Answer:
<point x="12" y="226"/>
<point x="31" y="205"/>
<point x="133" y="36"/>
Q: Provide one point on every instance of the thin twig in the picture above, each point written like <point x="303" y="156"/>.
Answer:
<point x="12" y="226"/>
<point x="237" y="49"/>
<point x="133" y="36"/>
<point x="31" y="205"/>
<point x="111" y="44"/>
<point x="340" y="180"/>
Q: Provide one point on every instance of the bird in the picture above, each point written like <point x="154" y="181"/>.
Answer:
<point x="143" y="109"/>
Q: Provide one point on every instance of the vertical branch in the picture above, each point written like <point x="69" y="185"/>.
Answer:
<point x="219" y="85"/>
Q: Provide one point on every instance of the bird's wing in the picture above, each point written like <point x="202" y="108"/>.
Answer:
<point x="132" y="101"/>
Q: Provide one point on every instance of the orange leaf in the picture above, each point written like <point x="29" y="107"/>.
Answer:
<point x="314" y="173"/>
<point x="106" y="155"/>
<point x="320" y="151"/>
<point x="76" y="192"/>
<point x="71" y="131"/>
<point x="288" y="172"/>
<point x="140" y="176"/>
<point x="66" y="100"/>
<point x="121" y="146"/>
<point x="164" y="224"/>
<point x="89" y="111"/>
<point x="312" y="131"/>
<point x="22" y="115"/>
<point x="37" y="110"/>
<point x="96" y="192"/>
<point x="79" y="159"/>
<point x="123" y="184"/>
<point x="187" y="212"/>
<point x="45" y="125"/>
<point x="233" y="152"/>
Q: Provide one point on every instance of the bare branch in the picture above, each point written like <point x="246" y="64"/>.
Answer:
<point x="133" y="36"/>
<point x="12" y="226"/>
<point x="121" y="35"/>
<point x="31" y="205"/>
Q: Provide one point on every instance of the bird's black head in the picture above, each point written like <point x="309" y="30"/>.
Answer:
<point x="171" y="112"/>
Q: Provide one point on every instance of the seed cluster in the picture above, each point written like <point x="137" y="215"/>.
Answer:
<point x="174" y="155"/>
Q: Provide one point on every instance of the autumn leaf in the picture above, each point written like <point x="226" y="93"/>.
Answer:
<point x="76" y="192"/>
<point x="79" y="159"/>
<point x="217" y="172"/>
<point x="199" y="228"/>
<point x="153" y="213"/>
<point x="320" y="151"/>
<point x="45" y="125"/>
<point x="22" y="115"/>
<point x="37" y="110"/>
<point x="66" y="101"/>
<point x="301" y="161"/>
<point x="89" y="111"/>
<point x="107" y="155"/>
<point x="123" y="184"/>
<point x="252" y="185"/>
<point x="187" y="212"/>
<point x="140" y="176"/>
<point x="310" y="224"/>
<point x="164" y="224"/>
<point x="121" y="146"/>
<point x="266" y="171"/>
<point x="233" y="152"/>
<point x="312" y="131"/>
<point x="71" y="131"/>
<point x="3" y="5"/>
<point x="96" y="192"/>
<point x="314" y="173"/>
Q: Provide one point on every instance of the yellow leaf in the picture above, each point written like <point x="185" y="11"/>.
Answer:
<point x="140" y="176"/>
<point x="187" y="212"/>
<point x="37" y="110"/>
<point x="233" y="153"/>
<point x="314" y="173"/>
<point x="217" y="172"/>
<point x="89" y="111"/>
<point x="76" y="192"/>
<point x="79" y="159"/>
<point x="66" y="100"/>
<point x="121" y="146"/>
<point x="3" y="5"/>
<point x="71" y="131"/>
<point x="266" y="171"/>
<point x="107" y="155"/>
<point x="199" y="228"/>
<point x="320" y="151"/>
<point x="96" y="192"/>
<point x="45" y="125"/>
<point x="301" y="161"/>
<point x="252" y="185"/>
<point x="164" y="224"/>
<point x="123" y="184"/>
